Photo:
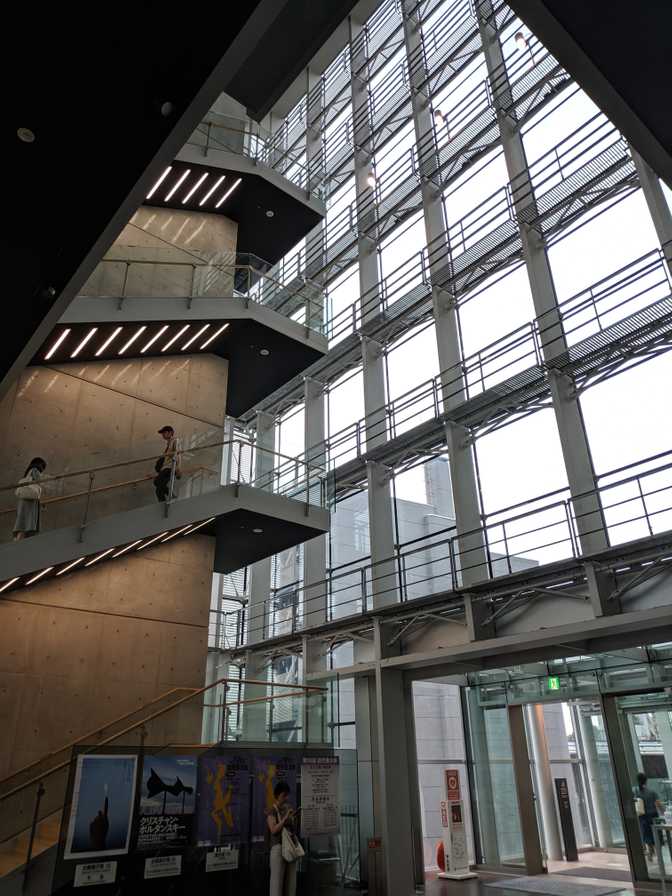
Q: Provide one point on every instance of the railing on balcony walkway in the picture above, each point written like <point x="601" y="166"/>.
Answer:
<point x="635" y="501"/>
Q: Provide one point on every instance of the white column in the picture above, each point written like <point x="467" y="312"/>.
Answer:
<point x="544" y="781"/>
<point x="315" y="550"/>
<point x="655" y="200"/>
<point x="592" y="761"/>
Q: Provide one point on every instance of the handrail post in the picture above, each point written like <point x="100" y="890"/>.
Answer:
<point x="171" y="485"/>
<point x="85" y="518"/>
<point x="192" y="288"/>
<point x="41" y="790"/>
<point x="123" y="286"/>
<point x="364" y="599"/>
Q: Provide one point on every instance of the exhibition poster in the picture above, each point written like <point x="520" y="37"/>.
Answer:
<point x="223" y="800"/>
<point x="102" y="806"/>
<point x="319" y="796"/>
<point x="167" y="801"/>
<point x="267" y="772"/>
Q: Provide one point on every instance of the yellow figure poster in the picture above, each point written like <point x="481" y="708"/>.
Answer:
<point x="266" y="773"/>
<point x="223" y="800"/>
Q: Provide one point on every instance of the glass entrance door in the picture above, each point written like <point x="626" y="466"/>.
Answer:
<point x="645" y="727"/>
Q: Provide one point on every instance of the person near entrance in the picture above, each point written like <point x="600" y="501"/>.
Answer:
<point x="283" y="874"/>
<point x="649" y="808"/>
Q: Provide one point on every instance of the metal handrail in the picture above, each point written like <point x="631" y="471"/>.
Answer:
<point x="150" y="718"/>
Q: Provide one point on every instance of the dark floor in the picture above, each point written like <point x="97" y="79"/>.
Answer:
<point x="477" y="887"/>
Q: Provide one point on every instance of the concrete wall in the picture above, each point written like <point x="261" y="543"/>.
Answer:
<point x="79" y="416"/>
<point x="171" y="253"/>
<point x="79" y="652"/>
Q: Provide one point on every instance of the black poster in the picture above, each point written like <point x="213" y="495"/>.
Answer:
<point x="566" y="821"/>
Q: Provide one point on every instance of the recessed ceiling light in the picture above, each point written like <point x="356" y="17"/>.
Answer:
<point x="264" y="352"/>
<point x="270" y="213"/>
<point x="25" y="135"/>
<point x="92" y="332"/>
<point x="160" y="181"/>
<point x="212" y="190"/>
<point x="132" y="339"/>
<point x="166" y="108"/>
<point x="56" y="344"/>
<point x="177" y="185"/>
<point x="108" y="341"/>
<point x="175" y="337"/>
<point x="228" y="192"/>
<point x="153" y="339"/>
<point x="195" y="337"/>
<point x="214" y="336"/>
<point x="257" y="531"/>
<point x="194" y="188"/>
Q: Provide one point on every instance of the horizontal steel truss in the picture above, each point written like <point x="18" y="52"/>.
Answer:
<point x="610" y="173"/>
<point x="473" y="138"/>
<point x="643" y="335"/>
<point x="625" y="567"/>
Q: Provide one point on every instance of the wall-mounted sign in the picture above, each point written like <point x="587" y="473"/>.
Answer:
<point x="93" y="873"/>
<point x="163" y="866"/>
<point x="319" y="796"/>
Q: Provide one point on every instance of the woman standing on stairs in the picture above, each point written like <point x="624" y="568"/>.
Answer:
<point x="29" y="494"/>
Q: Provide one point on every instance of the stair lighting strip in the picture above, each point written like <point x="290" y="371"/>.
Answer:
<point x="184" y="530"/>
<point x="194" y="188"/>
<point x="132" y="339"/>
<point x="56" y="344"/>
<point x="154" y="338"/>
<point x="214" y="336"/>
<point x="211" y="191"/>
<point x="228" y="192"/>
<point x="92" y="332"/>
<point x="108" y="341"/>
<point x="195" y="337"/>
<point x="175" y="338"/>
<point x="159" y="182"/>
<point x="177" y="185"/>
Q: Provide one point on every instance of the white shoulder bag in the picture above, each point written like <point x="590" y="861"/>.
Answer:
<point x="291" y="846"/>
<point x="28" y="489"/>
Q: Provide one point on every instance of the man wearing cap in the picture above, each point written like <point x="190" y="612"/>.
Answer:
<point x="169" y="460"/>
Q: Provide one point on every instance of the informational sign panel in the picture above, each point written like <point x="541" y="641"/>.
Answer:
<point x="163" y="866"/>
<point x="455" y="849"/>
<point x="167" y="801"/>
<point x="102" y="806"/>
<point x="320" y="810"/>
<point x="93" y="873"/>
<point x="222" y="858"/>
<point x="223" y="811"/>
<point x="453" y="785"/>
<point x="566" y="820"/>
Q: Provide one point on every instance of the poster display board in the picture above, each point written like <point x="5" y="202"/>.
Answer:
<point x="101" y="812"/>
<point x="320" y="810"/>
<point x="167" y="801"/>
<point x="267" y="771"/>
<point x="223" y="800"/>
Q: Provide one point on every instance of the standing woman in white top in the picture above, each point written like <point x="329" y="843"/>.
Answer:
<point x="29" y="493"/>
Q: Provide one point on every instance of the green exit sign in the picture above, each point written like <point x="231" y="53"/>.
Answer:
<point x="553" y="683"/>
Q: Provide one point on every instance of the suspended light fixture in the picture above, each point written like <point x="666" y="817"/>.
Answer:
<point x="521" y="40"/>
<point x="371" y="179"/>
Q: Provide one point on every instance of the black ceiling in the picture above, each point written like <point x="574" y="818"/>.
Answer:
<point x="267" y="237"/>
<point x="239" y="545"/>
<point x="111" y="102"/>
<point x="619" y="52"/>
<point x="253" y="376"/>
<point x="299" y="30"/>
